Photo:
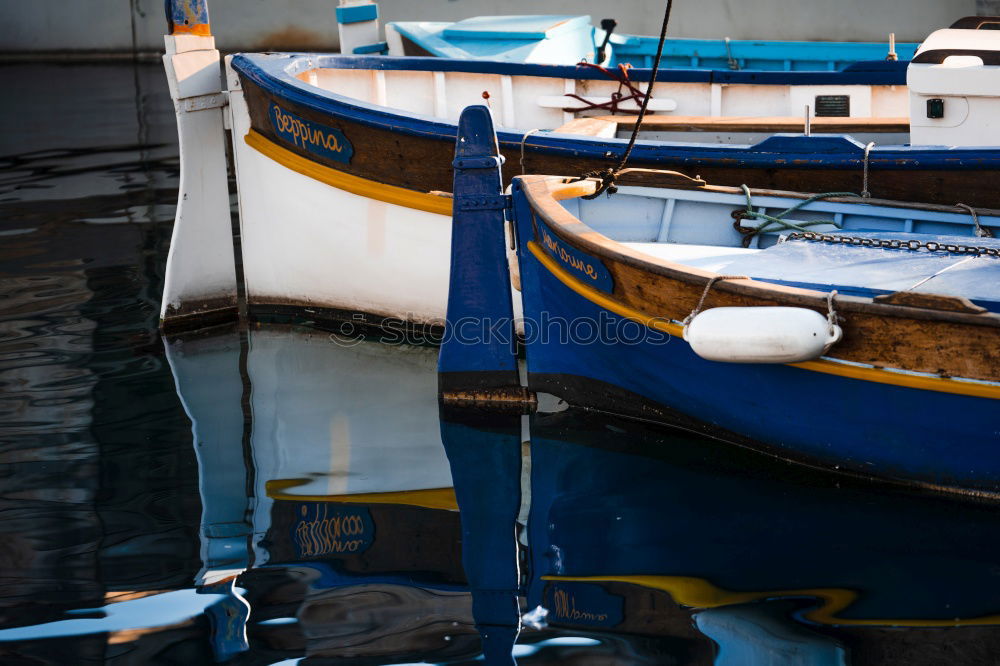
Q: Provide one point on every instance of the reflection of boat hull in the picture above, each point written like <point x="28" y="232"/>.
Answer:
<point x="353" y="544"/>
<point x="835" y="543"/>
<point x="696" y="534"/>
<point x="394" y="541"/>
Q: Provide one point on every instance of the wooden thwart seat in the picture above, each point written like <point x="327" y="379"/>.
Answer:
<point x="664" y="123"/>
<point x="605" y="127"/>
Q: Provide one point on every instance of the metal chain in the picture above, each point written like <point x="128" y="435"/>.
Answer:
<point x="893" y="244"/>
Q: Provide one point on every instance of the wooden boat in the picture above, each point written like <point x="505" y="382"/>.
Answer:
<point x="336" y="219"/>
<point x="568" y="39"/>
<point x="845" y="347"/>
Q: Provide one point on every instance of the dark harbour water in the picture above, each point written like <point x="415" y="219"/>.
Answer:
<point x="272" y="496"/>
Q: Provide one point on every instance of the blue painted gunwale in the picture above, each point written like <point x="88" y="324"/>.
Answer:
<point x="826" y="420"/>
<point x="275" y="74"/>
<point x="752" y="55"/>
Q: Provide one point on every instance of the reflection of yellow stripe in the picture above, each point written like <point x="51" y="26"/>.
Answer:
<point x="433" y="498"/>
<point x="399" y="196"/>
<point x="829" y="367"/>
<point x="700" y="593"/>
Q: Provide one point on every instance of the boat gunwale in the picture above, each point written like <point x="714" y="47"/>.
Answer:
<point x="275" y="74"/>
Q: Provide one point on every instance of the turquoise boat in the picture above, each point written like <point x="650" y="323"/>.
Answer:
<point x="568" y="39"/>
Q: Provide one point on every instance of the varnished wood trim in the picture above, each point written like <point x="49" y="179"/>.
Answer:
<point x="831" y="367"/>
<point x="916" y="299"/>
<point x="391" y="194"/>
<point x="662" y="123"/>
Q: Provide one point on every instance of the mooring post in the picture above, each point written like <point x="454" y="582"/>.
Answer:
<point x="200" y="284"/>
<point x="477" y="356"/>
<point x="357" y="22"/>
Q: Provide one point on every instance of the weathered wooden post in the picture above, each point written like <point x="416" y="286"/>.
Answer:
<point x="357" y="22"/>
<point x="200" y="283"/>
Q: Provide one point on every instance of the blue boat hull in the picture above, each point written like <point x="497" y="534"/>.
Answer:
<point x="834" y="422"/>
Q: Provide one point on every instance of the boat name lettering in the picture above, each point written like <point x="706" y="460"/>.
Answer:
<point x="565" y="608"/>
<point x="317" y="139"/>
<point x="582" y="265"/>
<point x="320" y="533"/>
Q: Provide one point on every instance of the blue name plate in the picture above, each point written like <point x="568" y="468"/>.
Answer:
<point x="582" y="266"/>
<point x="317" y="139"/>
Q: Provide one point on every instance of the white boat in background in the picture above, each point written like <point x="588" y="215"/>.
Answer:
<point x="344" y="163"/>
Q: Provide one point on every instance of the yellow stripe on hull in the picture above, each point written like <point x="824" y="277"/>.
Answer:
<point x="432" y="498"/>
<point x="399" y="196"/>
<point x="700" y="593"/>
<point x="877" y="375"/>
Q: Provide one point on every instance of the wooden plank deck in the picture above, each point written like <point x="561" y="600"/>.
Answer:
<point x="665" y="123"/>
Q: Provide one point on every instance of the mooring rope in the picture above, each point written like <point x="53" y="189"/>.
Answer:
<point x="635" y="94"/>
<point x="609" y="175"/>
<point x="704" y="294"/>
<point x="777" y="221"/>
<point x="864" y="185"/>
<point x="981" y="231"/>
<point x="524" y="139"/>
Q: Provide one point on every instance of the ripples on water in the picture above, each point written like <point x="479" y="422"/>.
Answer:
<point x="268" y="496"/>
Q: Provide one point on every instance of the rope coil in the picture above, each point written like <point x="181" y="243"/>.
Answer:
<point x="777" y="221"/>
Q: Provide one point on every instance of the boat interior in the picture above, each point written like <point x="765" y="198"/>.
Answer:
<point x="712" y="228"/>
<point x="685" y="105"/>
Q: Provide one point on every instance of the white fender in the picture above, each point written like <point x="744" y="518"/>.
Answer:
<point x="760" y="334"/>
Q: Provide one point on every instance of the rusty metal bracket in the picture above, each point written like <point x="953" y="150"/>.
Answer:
<point x="483" y="202"/>
<point x="515" y="399"/>
<point x="488" y="162"/>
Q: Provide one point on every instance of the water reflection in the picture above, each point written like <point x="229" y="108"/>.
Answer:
<point x="575" y="537"/>
<point x="269" y="495"/>
<point x="324" y="483"/>
<point x="632" y="530"/>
